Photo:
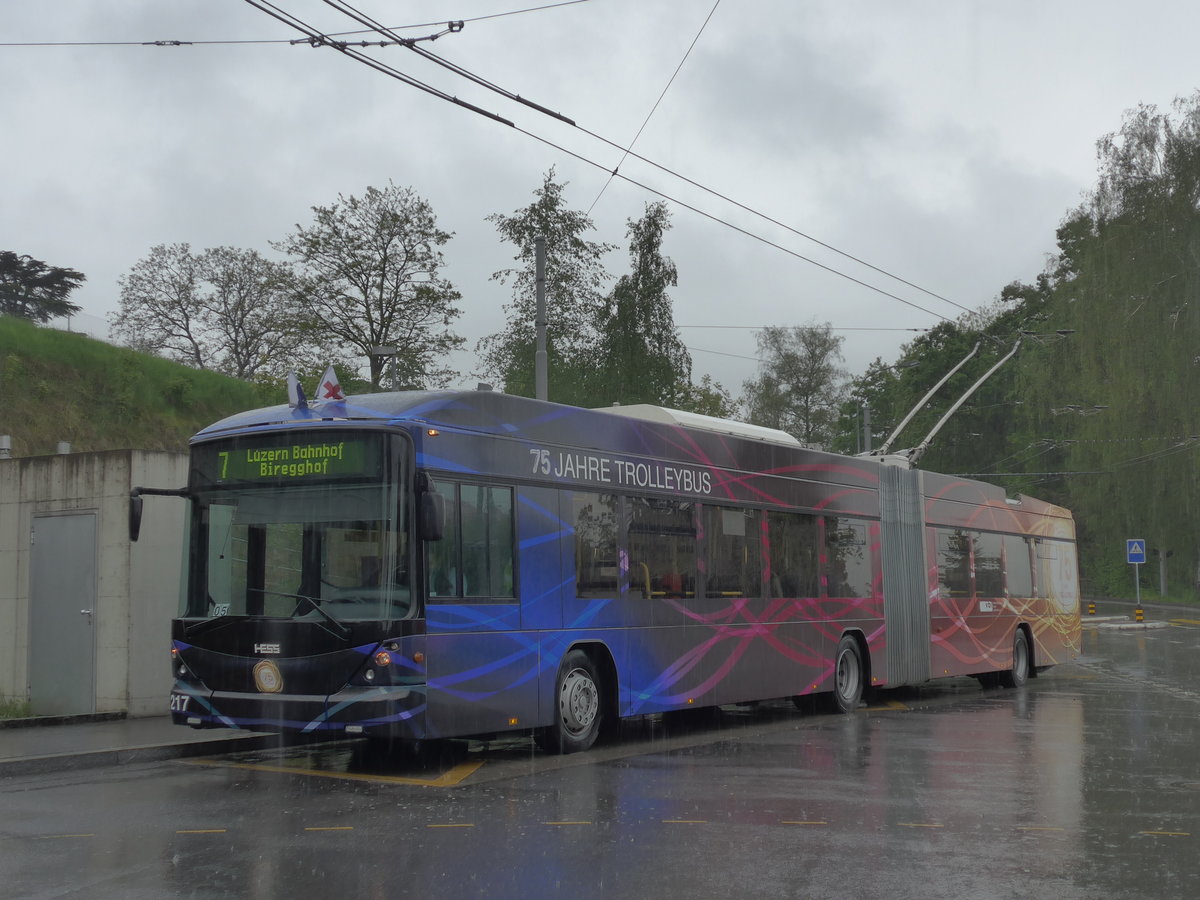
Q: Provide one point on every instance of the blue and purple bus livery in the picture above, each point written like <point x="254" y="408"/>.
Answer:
<point x="424" y="565"/>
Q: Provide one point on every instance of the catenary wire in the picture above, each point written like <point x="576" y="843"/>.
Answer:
<point x="317" y="38"/>
<point x="354" y="14"/>
<point x="174" y="43"/>
<point x="432" y="57"/>
<point x="654" y="108"/>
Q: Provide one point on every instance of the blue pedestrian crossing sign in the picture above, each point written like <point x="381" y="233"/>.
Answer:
<point x="1135" y="551"/>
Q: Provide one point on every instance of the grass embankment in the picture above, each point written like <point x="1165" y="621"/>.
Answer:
<point x="61" y="386"/>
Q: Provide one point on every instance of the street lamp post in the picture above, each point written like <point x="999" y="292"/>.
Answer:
<point x="385" y="353"/>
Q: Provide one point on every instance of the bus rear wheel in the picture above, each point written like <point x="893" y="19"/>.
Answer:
<point x="848" y="675"/>
<point x="1019" y="673"/>
<point x="578" y="706"/>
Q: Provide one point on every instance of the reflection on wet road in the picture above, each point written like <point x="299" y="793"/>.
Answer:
<point x="1083" y="784"/>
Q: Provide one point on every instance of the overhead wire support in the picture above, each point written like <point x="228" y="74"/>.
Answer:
<point x="363" y="19"/>
<point x="298" y="24"/>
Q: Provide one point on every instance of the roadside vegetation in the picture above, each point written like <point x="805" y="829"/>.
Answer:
<point x="61" y="386"/>
<point x="14" y="709"/>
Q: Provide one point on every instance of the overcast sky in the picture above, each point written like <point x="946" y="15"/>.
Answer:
<point x="940" y="141"/>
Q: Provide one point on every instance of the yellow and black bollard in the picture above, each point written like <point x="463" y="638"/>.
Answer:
<point x="1091" y="607"/>
<point x="1138" y="615"/>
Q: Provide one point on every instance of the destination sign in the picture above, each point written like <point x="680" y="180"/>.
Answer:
<point x="287" y="458"/>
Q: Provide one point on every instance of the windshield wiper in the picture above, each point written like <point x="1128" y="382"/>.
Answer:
<point x="207" y="625"/>
<point x="339" y="629"/>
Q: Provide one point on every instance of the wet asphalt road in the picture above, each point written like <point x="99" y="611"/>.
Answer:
<point x="1084" y="784"/>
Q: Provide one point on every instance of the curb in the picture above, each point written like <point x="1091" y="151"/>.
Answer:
<point x="47" y="721"/>
<point x="1131" y="626"/>
<point x="1097" y="621"/>
<point x="122" y="756"/>
<point x="1118" y="623"/>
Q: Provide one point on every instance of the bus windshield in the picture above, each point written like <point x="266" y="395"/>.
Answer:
<point x="308" y="526"/>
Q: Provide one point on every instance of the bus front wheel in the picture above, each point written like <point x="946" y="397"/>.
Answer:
<point x="578" y="706"/>
<point x="1019" y="673"/>
<point x="848" y="675"/>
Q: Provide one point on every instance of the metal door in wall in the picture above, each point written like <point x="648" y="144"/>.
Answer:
<point x="62" y="614"/>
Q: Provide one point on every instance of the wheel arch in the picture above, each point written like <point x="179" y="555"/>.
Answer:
<point x="606" y="667"/>
<point x="864" y="652"/>
<point x="1030" y="646"/>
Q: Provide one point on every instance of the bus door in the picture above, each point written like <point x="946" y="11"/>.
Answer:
<point x="482" y="667"/>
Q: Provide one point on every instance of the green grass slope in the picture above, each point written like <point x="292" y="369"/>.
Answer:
<point x="61" y="386"/>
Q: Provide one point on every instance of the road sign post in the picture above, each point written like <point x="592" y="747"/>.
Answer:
<point x="1135" y="555"/>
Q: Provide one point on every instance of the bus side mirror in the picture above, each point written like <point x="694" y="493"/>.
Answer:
<point x="433" y="515"/>
<point x="135" y="516"/>
<point x="135" y="505"/>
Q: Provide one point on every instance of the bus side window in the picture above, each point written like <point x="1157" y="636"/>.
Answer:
<point x="734" y="540"/>
<point x="662" y="543"/>
<point x="595" y="524"/>
<point x="954" y="563"/>
<point x="443" y="554"/>
<point x="1018" y="572"/>
<point x="501" y="532"/>
<point x="989" y="573"/>
<point x="794" y="549"/>
<point x="476" y="556"/>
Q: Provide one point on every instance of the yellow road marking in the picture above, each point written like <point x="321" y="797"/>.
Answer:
<point x="812" y="822"/>
<point x="1167" y="833"/>
<point x="890" y="704"/>
<point x="449" y="778"/>
<point x="202" y="831"/>
<point x="1039" y="828"/>
<point x="1185" y="621"/>
<point x="685" y="821"/>
<point x="920" y="825"/>
<point x="566" y="823"/>
<point x="329" y="828"/>
<point x="451" y="825"/>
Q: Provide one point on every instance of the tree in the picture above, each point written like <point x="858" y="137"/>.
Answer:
<point x="31" y="289"/>
<point x="1125" y="281"/>
<point x="252" y="311"/>
<point x="225" y="309"/>
<point x="800" y="383"/>
<point x="574" y="278"/>
<point x="371" y="278"/>
<point x="876" y="390"/>
<point x="710" y="398"/>
<point x="160" y="309"/>
<point x="642" y="359"/>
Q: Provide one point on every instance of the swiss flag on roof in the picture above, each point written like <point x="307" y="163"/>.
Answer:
<point x="296" y="398"/>
<point x="329" y="388"/>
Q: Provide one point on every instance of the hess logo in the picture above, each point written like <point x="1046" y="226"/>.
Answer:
<point x="265" y="649"/>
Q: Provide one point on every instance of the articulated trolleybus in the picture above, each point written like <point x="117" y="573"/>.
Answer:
<point x="424" y="565"/>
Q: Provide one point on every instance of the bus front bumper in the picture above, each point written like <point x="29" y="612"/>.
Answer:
<point x="392" y="711"/>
